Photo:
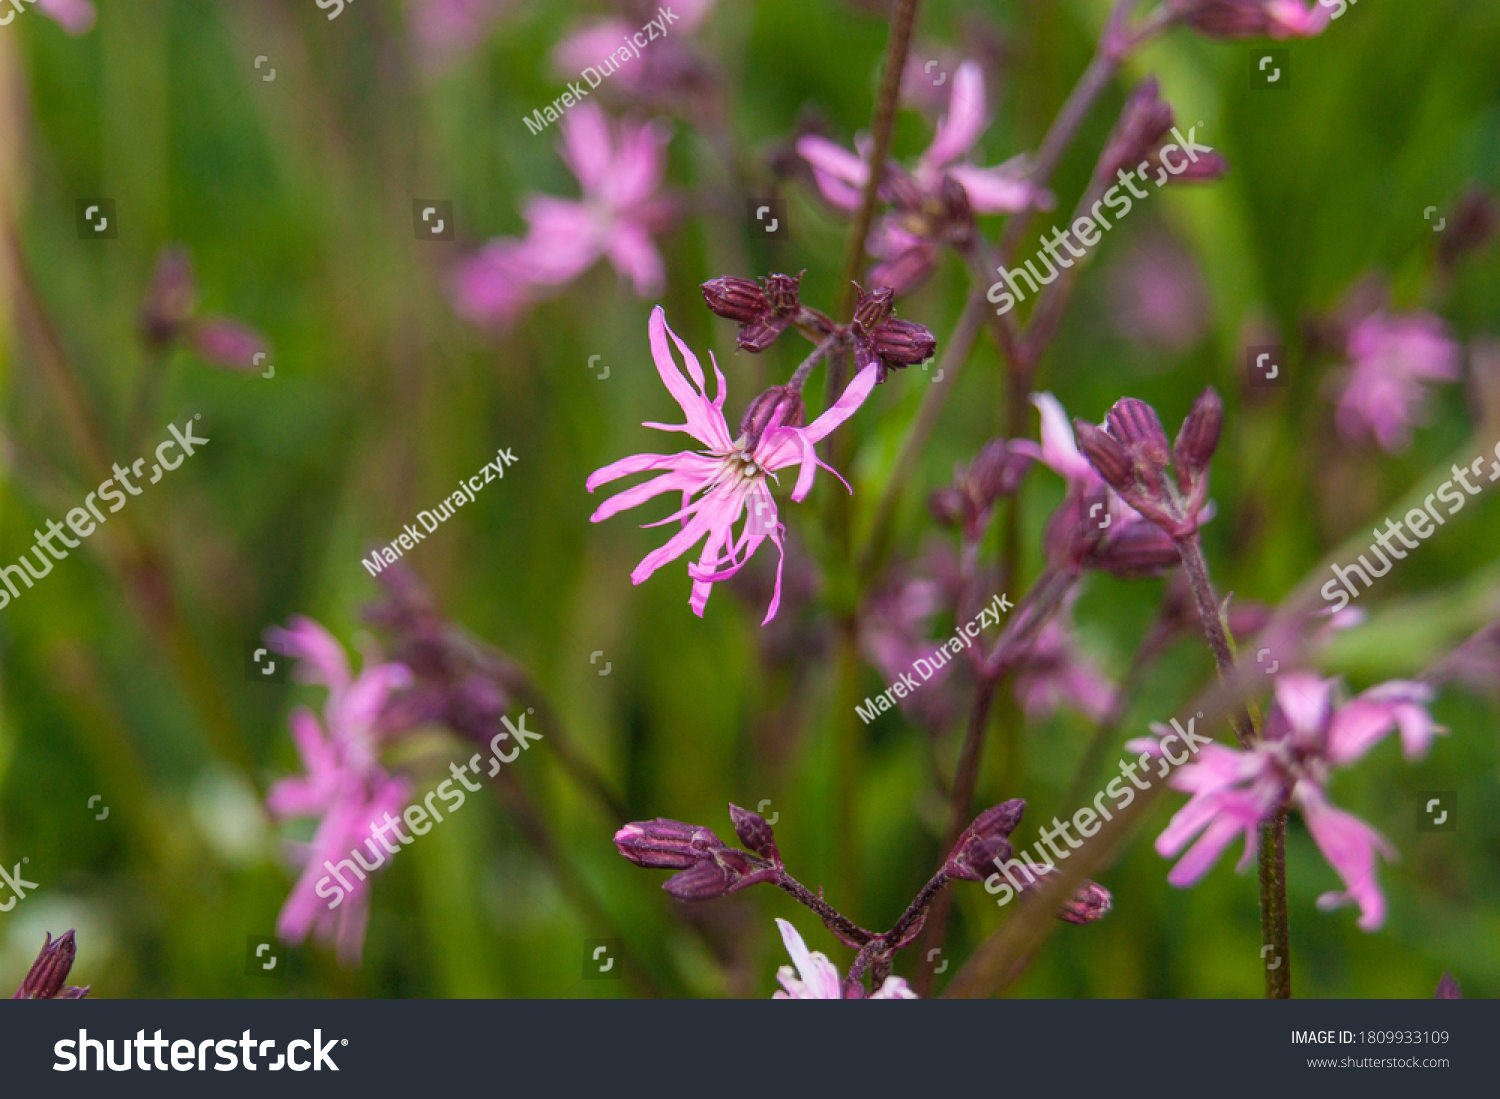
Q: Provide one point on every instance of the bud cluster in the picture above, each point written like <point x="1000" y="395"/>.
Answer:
<point x="880" y="338"/>
<point x="763" y="310"/>
<point x="995" y="472"/>
<point x="1131" y="453"/>
<point x="707" y="867"/>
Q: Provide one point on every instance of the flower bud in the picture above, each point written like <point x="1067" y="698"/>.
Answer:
<point x="873" y="309"/>
<point x="754" y="832"/>
<point x="666" y="843"/>
<point x="1448" y="989"/>
<point x="169" y="300"/>
<point x="776" y="407"/>
<point x="45" y="979"/>
<point x="701" y="882"/>
<point x="1143" y="120"/>
<point x="1139" y="551"/>
<point x="1090" y="903"/>
<point x="1470" y="227"/>
<point x="903" y="342"/>
<point x="1106" y="454"/>
<point x="985" y="840"/>
<point x="997" y="471"/>
<point x="781" y="293"/>
<point x="947" y="506"/>
<point x="1198" y="437"/>
<point x="225" y="342"/>
<point x="735" y="298"/>
<point x="1135" y="424"/>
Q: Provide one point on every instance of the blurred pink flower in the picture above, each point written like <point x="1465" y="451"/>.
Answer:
<point x="637" y="61"/>
<point x="1255" y="18"/>
<point x="343" y="785"/>
<point x="1054" y="672"/>
<point x="730" y="474"/>
<point x="1391" y="359"/>
<point x="935" y="203"/>
<point x="1158" y="295"/>
<point x="619" y="169"/>
<point x="443" y="29"/>
<point x="1306" y="737"/>
<point x="817" y="978"/>
<point x="74" y="16"/>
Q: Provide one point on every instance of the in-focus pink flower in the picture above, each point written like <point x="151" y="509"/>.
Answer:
<point x="728" y="477"/>
<point x="619" y="169"/>
<point x="817" y="978"/>
<point x="1392" y="358"/>
<point x="1306" y="736"/>
<point x="74" y="16"/>
<point x="1255" y="18"/>
<point x="935" y="202"/>
<point x="343" y="785"/>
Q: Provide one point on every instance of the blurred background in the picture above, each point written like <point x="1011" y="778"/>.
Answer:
<point x="124" y="674"/>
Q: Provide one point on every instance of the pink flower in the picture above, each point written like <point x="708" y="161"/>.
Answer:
<point x="74" y="16"/>
<point x="443" y="29"/>
<point x="343" y="785"/>
<point x="936" y="202"/>
<point x="816" y="978"/>
<point x="619" y="169"/>
<point x="1306" y="736"/>
<point x="729" y="476"/>
<point x="1255" y="18"/>
<point x="1054" y="672"/>
<point x="598" y="46"/>
<point x="1392" y="357"/>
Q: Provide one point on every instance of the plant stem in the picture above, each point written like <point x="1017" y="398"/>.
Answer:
<point x="848" y="932"/>
<point x="950" y="363"/>
<point x="885" y="117"/>
<point x="1195" y="568"/>
<point x="799" y="376"/>
<point x="1275" y="930"/>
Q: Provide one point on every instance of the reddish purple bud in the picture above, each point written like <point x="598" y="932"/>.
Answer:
<point x="873" y="309"/>
<point x="782" y="293"/>
<point x="666" y="843"/>
<point x="947" y="506"/>
<point x="1106" y="454"/>
<point x="903" y="342"/>
<point x="754" y="832"/>
<point x="227" y="343"/>
<point x="758" y="335"/>
<point x="776" y="407"/>
<point x="45" y="979"/>
<point x="701" y="882"/>
<point x="984" y="841"/>
<point x="1198" y="437"/>
<point x="1090" y="903"/>
<point x="1448" y="989"/>
<point x="1135" y="424"/>
<point x="1470" y="227"/>
<point x="998" y="470"/>
<point x="735" y="298"/>
<point x="1141" y="550"/>
<point x="1143" y="120"/>
<point x="169" y="301"/>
